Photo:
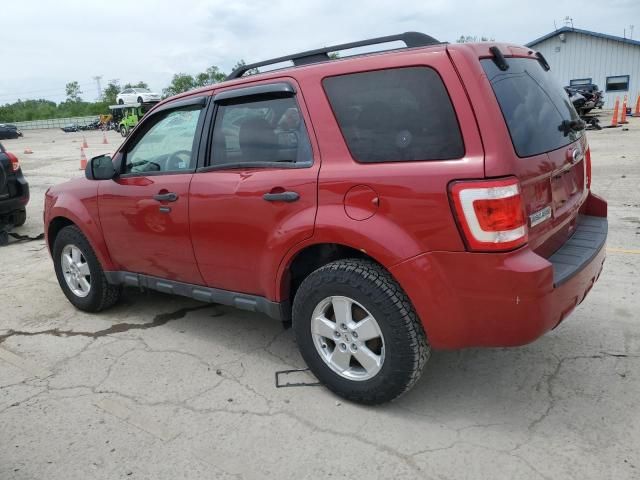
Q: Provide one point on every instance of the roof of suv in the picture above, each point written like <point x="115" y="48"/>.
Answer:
<point x="319" y="58"/>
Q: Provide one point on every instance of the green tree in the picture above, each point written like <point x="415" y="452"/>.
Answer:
<point x="111" y="92"/>
<point x="73" y="92"/>
<point x="210" y="76"/>
<point x="181" y="82"/>
<point x="140" y="84"/>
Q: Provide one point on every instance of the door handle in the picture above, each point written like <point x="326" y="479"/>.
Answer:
<point x="166" y="197"/>
<point x="281" y="197"/>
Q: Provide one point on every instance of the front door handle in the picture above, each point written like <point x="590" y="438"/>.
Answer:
<point x="166" y="197"/>
<point x="281" y="197"/>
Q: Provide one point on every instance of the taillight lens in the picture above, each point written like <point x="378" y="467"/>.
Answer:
<point x="490" y="213"/>
<point x="587" y="157"/>
<point x="15" y="163"/>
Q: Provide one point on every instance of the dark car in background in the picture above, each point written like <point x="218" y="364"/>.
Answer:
<point x="71" y="127"/>
<point x="14" y="190"/>
<point x="9" y="131"/>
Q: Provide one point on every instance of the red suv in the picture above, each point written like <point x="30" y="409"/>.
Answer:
<point x="433" y="196"/>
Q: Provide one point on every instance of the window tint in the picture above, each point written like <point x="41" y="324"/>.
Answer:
<point x="260" y="132"/>
<point x="618" y="83"/>
<point x="533" y="104"/>
<point x="167" y="146"/>
<point x="395" y="115"/>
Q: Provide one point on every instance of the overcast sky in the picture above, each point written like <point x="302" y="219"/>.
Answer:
<point x="44" y="45"/>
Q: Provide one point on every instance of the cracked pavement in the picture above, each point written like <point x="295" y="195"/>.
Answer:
<point x="164" y="387"/>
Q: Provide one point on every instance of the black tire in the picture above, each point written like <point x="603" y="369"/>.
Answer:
<point x="140" y="100"/>
<point x="123" y="131"/>
<point x="405" y="343"/>
<point x="102" y="294"/>
<point x="120" y="102"/>
<point x="20" y="217"/>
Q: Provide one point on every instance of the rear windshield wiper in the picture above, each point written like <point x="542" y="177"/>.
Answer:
<point x="571" y="126"/>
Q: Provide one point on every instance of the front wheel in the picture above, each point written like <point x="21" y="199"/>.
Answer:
<point x="123" y="131"/>
<point x="358" y="332"/>
<point x="80" y="274"/>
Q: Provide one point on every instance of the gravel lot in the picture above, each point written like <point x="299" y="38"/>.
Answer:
<point x="162" y="387"/>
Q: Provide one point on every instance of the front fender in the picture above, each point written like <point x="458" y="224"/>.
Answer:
<point x="78" y="203"/>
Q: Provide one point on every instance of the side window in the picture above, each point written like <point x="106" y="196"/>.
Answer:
<point x="395" y="115"/>
<point x="260" y="133"/>
<point x="168" y="145"/>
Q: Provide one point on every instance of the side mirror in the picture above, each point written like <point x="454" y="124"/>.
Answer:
<point x="100" y="168"/>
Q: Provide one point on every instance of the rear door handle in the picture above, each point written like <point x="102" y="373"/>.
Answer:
<point x="281" y="197"/>
<point x="166" y="197"/>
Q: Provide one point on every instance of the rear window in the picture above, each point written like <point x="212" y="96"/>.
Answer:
<point x="395" y="115"/>
<point x="533" y="104"/>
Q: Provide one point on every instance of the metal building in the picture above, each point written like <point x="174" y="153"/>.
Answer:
<point x="581" y="56"/>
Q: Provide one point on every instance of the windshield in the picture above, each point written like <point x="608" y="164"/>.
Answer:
<point x="535" y="106"/>
<point x="142" y="90"/>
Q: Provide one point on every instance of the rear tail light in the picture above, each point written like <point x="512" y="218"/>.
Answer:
<point x="490" y="214"/>
<point x="587" y="157"/>
<point x="15" y="163"/>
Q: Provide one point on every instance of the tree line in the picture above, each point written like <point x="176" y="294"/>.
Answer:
<point x="75" y="106"/>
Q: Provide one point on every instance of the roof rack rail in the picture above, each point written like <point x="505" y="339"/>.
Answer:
<point x="410" y="39"/>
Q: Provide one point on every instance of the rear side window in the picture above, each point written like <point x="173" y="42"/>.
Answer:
<point x="395" y="115"/>
<point x="534" y="106"/>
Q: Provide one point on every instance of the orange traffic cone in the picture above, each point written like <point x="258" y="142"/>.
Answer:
<point x="104" y="138"/>
<point x="637" y="112"/>
<point x="84" y="142"/>
<point x="623" y="115"/>
<point x="83" y="159"/>
<point x="614" y="118"/>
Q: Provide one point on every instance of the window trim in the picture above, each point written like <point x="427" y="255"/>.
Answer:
<point x="275" y="90"/>
<point x="571" y="84"/>
<point x="398" y="67"/>
<point x="606" y="83"/>
<point x="155" y="116"/>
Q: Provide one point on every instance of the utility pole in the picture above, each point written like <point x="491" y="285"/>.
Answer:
<point x="97" y="79"/>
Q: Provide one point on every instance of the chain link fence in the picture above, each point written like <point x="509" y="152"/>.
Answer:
<point x="55" y="122"/>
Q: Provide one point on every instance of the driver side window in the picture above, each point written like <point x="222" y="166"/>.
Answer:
<point x="167" y="146"/>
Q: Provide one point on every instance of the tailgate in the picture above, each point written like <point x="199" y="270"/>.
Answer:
<point x="549" y="148"/>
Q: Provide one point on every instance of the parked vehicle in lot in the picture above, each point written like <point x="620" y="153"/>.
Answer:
<point x="9" y="131"/>
<point x="70" y="127"/>
<point x="435" y="196"/>
<point x="14" y="190"/>
<point x="137" y="95"/>
<point x="585" y="97"/>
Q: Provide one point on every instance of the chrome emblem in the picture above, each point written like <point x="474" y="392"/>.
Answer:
<point x="540" y="216"/>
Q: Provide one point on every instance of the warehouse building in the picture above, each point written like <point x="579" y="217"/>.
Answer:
<point x="581" y="56"/>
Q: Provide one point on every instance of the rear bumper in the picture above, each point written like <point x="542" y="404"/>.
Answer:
<point x="17" y="202"/>
<point x="496" y="300"/>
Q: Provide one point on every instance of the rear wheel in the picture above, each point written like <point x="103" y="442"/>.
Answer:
<point x="123" y="131"/>
<point x="358" y="331"/>
<point x="140" y="100"/>
<point x="120" y="102"/>
<point x="80" y="274"/>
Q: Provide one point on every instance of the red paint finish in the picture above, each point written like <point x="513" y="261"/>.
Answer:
<point x="139" y="236"/>
<point x="361" y="202"/>
<point x="239" y="238"/>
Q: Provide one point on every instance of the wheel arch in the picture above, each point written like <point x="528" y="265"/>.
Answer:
<point x="95" y="239"/>
<point x="309" y="258"/>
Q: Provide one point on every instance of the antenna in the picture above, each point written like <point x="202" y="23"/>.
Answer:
<point x="568" y="21"/>
<point x="97" y="78"/>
